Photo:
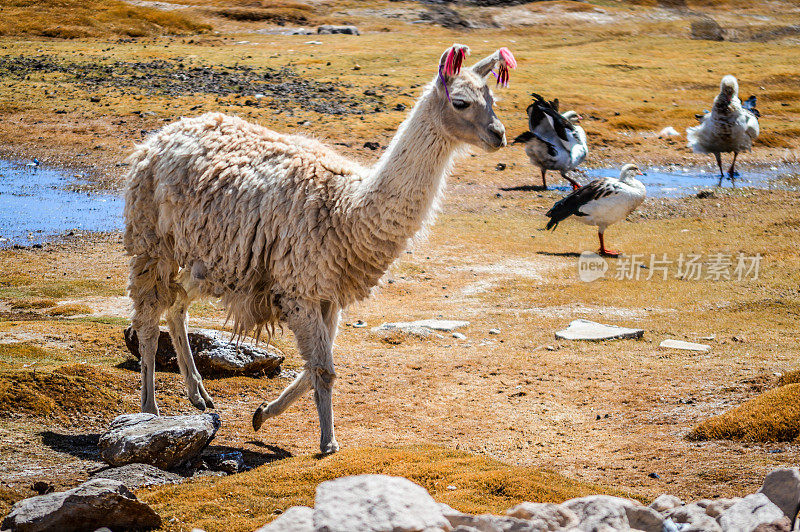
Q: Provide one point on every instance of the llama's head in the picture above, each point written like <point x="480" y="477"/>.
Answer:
<point x="465" y="99"/>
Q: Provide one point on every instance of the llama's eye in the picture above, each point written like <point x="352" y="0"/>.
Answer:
<point x="460" y="104"/>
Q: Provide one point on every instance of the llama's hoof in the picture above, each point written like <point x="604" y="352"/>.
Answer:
<point x="198" y="403"/>
<point x="258" y="417"/>
<point x="329" y="448"/>
<point x="210" y="404"/>
<point x="150" y="408"/>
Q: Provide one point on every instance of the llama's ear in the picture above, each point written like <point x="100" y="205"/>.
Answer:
<point x="451" y="60"/>
<point x="502" y="59"/>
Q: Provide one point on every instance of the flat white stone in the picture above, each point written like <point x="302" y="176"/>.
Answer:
<point x="434" y="325"/>
<point x="687" y="346"/>
<point x="590" y="330"/>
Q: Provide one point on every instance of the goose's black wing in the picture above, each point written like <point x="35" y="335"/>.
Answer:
<point x="570" y="205"/>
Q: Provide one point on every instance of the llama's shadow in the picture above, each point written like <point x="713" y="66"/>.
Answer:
<point x="251" y="458"/>
<point x="83" y="446"/>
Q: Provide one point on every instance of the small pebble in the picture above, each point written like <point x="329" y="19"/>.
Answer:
<point x="459" y="336"/>
<point x="494" y="331"/>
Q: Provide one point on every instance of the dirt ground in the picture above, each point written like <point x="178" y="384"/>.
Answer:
<point x="612" y="414"/>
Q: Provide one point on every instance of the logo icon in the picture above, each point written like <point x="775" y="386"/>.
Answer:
<point x="591" y="267"/>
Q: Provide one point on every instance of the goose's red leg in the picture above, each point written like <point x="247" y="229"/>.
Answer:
<point x="606" y="252"/>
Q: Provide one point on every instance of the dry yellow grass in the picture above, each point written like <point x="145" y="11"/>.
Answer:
<point x="69" y="309"/>
<point x="773" y="416"/>
<point x="247" y="501"/>
<point x="72" y="19"/>
<point x="77" y="390"/>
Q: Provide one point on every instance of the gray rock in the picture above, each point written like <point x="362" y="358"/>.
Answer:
<point x="782" y="487"/>
<point x="491" y="523"/>
<point x="544" y="516"/>
<point x="707" y="29"/>
<point x="214" y="354"/>
<point x="686" y="346"/>
<point x="94" y="504"/>
<point x="375" y="503"/>
<point x="295" y="519"/>
<point x="229" y="462"/>
<point x="589" y="330"/>
<point x="754" y="512"/>
<point x="165" y="442"/>
<point x="693" y="518"/>
<point x="327" y="29"/>
<point x="432" y="325"/>
<point x="135" y="476"/>
<point x="665" y="502"/>
<point x="598" y="512"/>
<point x="715" y="508"/>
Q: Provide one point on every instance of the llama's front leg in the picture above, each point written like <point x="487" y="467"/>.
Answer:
<point x="311" y="323"/>
<point x="176" y="320"/>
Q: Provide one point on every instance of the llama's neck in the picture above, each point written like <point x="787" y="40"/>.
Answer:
<point x="402" y="190"/>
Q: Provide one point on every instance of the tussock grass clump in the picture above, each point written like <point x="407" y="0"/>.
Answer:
<point x="790" y="377"/>
<point x="75" y="19"/>
<point x="24" y="353"/>
<point x="248" y="500"/>
<point x="69" y="309"/>
<point x="30" y="304"/>
<point x="773" y="416"/>
<point x="60" y="393"/>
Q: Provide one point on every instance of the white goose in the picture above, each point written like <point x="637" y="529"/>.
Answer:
<point x="729" y="127"/>
<point x="555" y="141"/>
<point x="602" y="202"/>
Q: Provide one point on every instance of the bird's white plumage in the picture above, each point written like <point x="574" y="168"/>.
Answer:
<point x="728" y="127"/>
<point x="624" y="197"/>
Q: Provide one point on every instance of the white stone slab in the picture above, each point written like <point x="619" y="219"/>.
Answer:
<point x="434" y="325"/>
<point x="686" y="346"/>
<point x="590" y="330"/>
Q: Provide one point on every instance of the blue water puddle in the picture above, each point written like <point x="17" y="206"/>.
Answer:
<point x="40" y="204"/>
<point x="675" y="181"/>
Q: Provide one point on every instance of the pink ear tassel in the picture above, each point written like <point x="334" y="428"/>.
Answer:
<point x="507" y="60"/>
<point x="508" y="57"/>
<point x="448" y="63"/>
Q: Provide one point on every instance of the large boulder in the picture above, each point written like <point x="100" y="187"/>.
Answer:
<point x="166" y="442"/>
<point x="782" y="487"/>
<point x="96" y="503"/>
<point x="693" y="518"/>
<point x="544" y="516"/>
<point x="754" y="512"/>
<point x="295" y="519"/>
<point x="665" y="502"/>
<point x="604" y="511"/>
<point x="214" y="354"/>
<point x="375" y="503"/>
<point x="135" y="476"/>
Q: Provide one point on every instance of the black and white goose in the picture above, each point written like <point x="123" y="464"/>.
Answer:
<point x="602" y="202"/>
<point x="730" y="126"/>
<point x="554" y="141"/>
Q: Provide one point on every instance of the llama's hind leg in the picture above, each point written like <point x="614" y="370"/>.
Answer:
<point x="150" y="295"/>
<point x="176" y="320"/>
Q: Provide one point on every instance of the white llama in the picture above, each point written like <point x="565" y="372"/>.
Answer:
<point x="283" y="228"/>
